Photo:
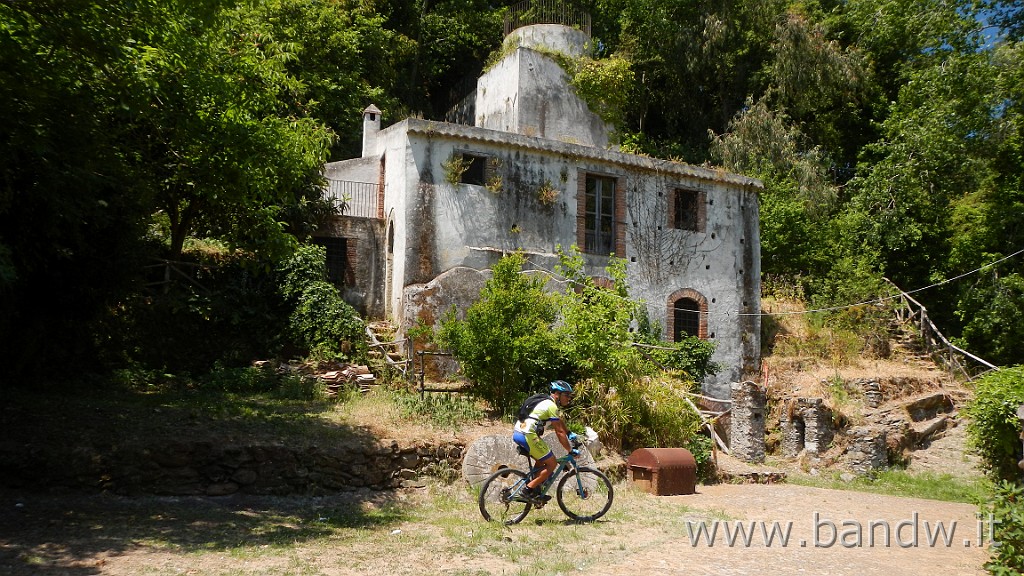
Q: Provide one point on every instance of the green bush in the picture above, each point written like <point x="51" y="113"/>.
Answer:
<point x="1006" y="507"/>
<point x="993" y="426"/>
<point x="321" y="323"/>
<point x="228" y="311"/>
<point x="504" y="344"/>
<point x="641" y="413"/>
<point x="327" y="326"/>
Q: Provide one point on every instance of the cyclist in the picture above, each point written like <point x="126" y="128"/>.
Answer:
<point x="527" y="434"/>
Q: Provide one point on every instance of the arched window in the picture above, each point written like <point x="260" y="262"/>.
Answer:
<point x="686" y="316"/>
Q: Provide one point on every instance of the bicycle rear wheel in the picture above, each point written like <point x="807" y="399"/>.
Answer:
<point x="495" y="498"/>
<point x="585" y="494"/>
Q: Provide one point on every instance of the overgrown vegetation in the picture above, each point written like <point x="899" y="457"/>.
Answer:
<point x="1006" y="505"/>
<point x="450" y="411"/>
<point x="994" y="430"/>
<point x="993" y="425"/>
<point x="517" y="337"/>
<point x="324" y="325"/>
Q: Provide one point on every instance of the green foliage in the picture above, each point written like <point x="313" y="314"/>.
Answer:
<point x="504" y="343"/>
<point x="993" y="426"/>
<point x="1005" y="508"/>
<point x="454" y="167"/>
<point x="644" y="412"/>
<point x="605" y="85"/>
<point x="321" y="322"/>
<point x="593" y="333"/>
<point x="446" y="410"/>
<point x="251" y="380"/>
<point x="993" y="316"/>
<point x="211" y="308"/>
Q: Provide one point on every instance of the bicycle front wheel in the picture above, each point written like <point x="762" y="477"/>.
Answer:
<point x="495" y="498"/>
<point x="585" y="494"/>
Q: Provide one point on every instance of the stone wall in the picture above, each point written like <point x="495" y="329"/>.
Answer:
<point x="202" y="468"/>
<point x="806" y="426"/>
<point x="747" y="422"/>
<point x="867" y="450"/>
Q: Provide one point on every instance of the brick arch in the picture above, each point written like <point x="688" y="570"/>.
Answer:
<point x="670" y="313"/>
<point x="603" y="282"/>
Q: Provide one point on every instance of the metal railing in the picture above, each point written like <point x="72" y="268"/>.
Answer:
<point x="531" y="12"/>
<point x="952" y="357"/>
<point x="358" y="199"/>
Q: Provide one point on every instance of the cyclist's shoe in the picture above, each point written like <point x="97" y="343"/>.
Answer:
<point x="524" y="495"/>
<point x="536" y="498"/>
<point x="532" y="497"/>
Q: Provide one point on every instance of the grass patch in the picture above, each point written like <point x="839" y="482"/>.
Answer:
<point x="450" y="411"/>
<point x="926" y="485"/>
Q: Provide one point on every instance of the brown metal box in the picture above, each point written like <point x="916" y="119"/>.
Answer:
<point x="664" y="471"/>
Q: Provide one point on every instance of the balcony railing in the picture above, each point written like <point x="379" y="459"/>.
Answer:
<point x="358" y="199"/>
<point x="546" y="12"/>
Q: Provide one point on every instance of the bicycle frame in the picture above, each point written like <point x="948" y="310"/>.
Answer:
<point x="564" y="463"/>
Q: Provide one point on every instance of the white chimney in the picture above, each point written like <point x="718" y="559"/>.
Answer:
<point x="371" y="125"/>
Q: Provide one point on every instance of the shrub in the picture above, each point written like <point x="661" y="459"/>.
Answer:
<point x="1006" y="507"/>
<point x="228" y="310"/>
<point x="993" y="427"/>
<point x="641" y="413"/>
<point x="504" y="344"/>
<point x="320" y="323"/>
<point x="327" y="326"/>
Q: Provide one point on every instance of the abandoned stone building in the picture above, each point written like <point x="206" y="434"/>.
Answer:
<point x="430" y="206"/>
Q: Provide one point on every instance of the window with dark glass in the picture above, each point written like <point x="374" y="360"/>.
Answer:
<point x="337" y="258"/>
<point x="687" y="318"/>
<point x="475" y="169"/>
<point x="599" y="237"/>
<point x="686" y="210"/>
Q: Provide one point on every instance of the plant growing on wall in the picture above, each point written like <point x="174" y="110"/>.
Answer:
<point x="604" y="84"/>
<point x="454" y="167"/>
<point x="547" y="194"/>
<point x="495" y="184"/>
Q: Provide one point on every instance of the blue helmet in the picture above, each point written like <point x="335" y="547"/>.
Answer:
<point x="561" y="386"/>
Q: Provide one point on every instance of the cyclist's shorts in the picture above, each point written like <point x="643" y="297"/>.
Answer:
<point x="539" y="449"/>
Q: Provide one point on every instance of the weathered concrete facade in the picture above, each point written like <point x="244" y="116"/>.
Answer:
<point x="530" y="170"/>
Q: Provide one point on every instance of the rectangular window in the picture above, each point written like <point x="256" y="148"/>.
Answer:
<point x="688" y="210"/>
<point x="475" y="169"/>
<point x="337" y="259"/>
<point x="599" y="235"/>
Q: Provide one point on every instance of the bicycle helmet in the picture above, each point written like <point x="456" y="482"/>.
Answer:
<point x="561" y="386"/>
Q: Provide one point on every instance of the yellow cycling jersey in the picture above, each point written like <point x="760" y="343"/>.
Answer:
<point x="544" y="412"/>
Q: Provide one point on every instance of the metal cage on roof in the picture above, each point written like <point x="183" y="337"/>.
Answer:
<point x="561" y="12"/>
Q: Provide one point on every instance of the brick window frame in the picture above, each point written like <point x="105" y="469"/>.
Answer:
<point x="341" y="258"/>
<point x="681" y="197"/>
<point x="702" y="311"/>
<point x="618" y="212"/>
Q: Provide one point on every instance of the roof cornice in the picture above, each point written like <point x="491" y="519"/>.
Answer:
<point x="432" y="128"/>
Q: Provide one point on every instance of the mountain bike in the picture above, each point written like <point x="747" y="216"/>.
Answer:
<point x="583" y="493"/>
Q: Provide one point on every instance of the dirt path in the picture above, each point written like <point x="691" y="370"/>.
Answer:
<point x="841" y="549"/>
<point x="79" y="536"/>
